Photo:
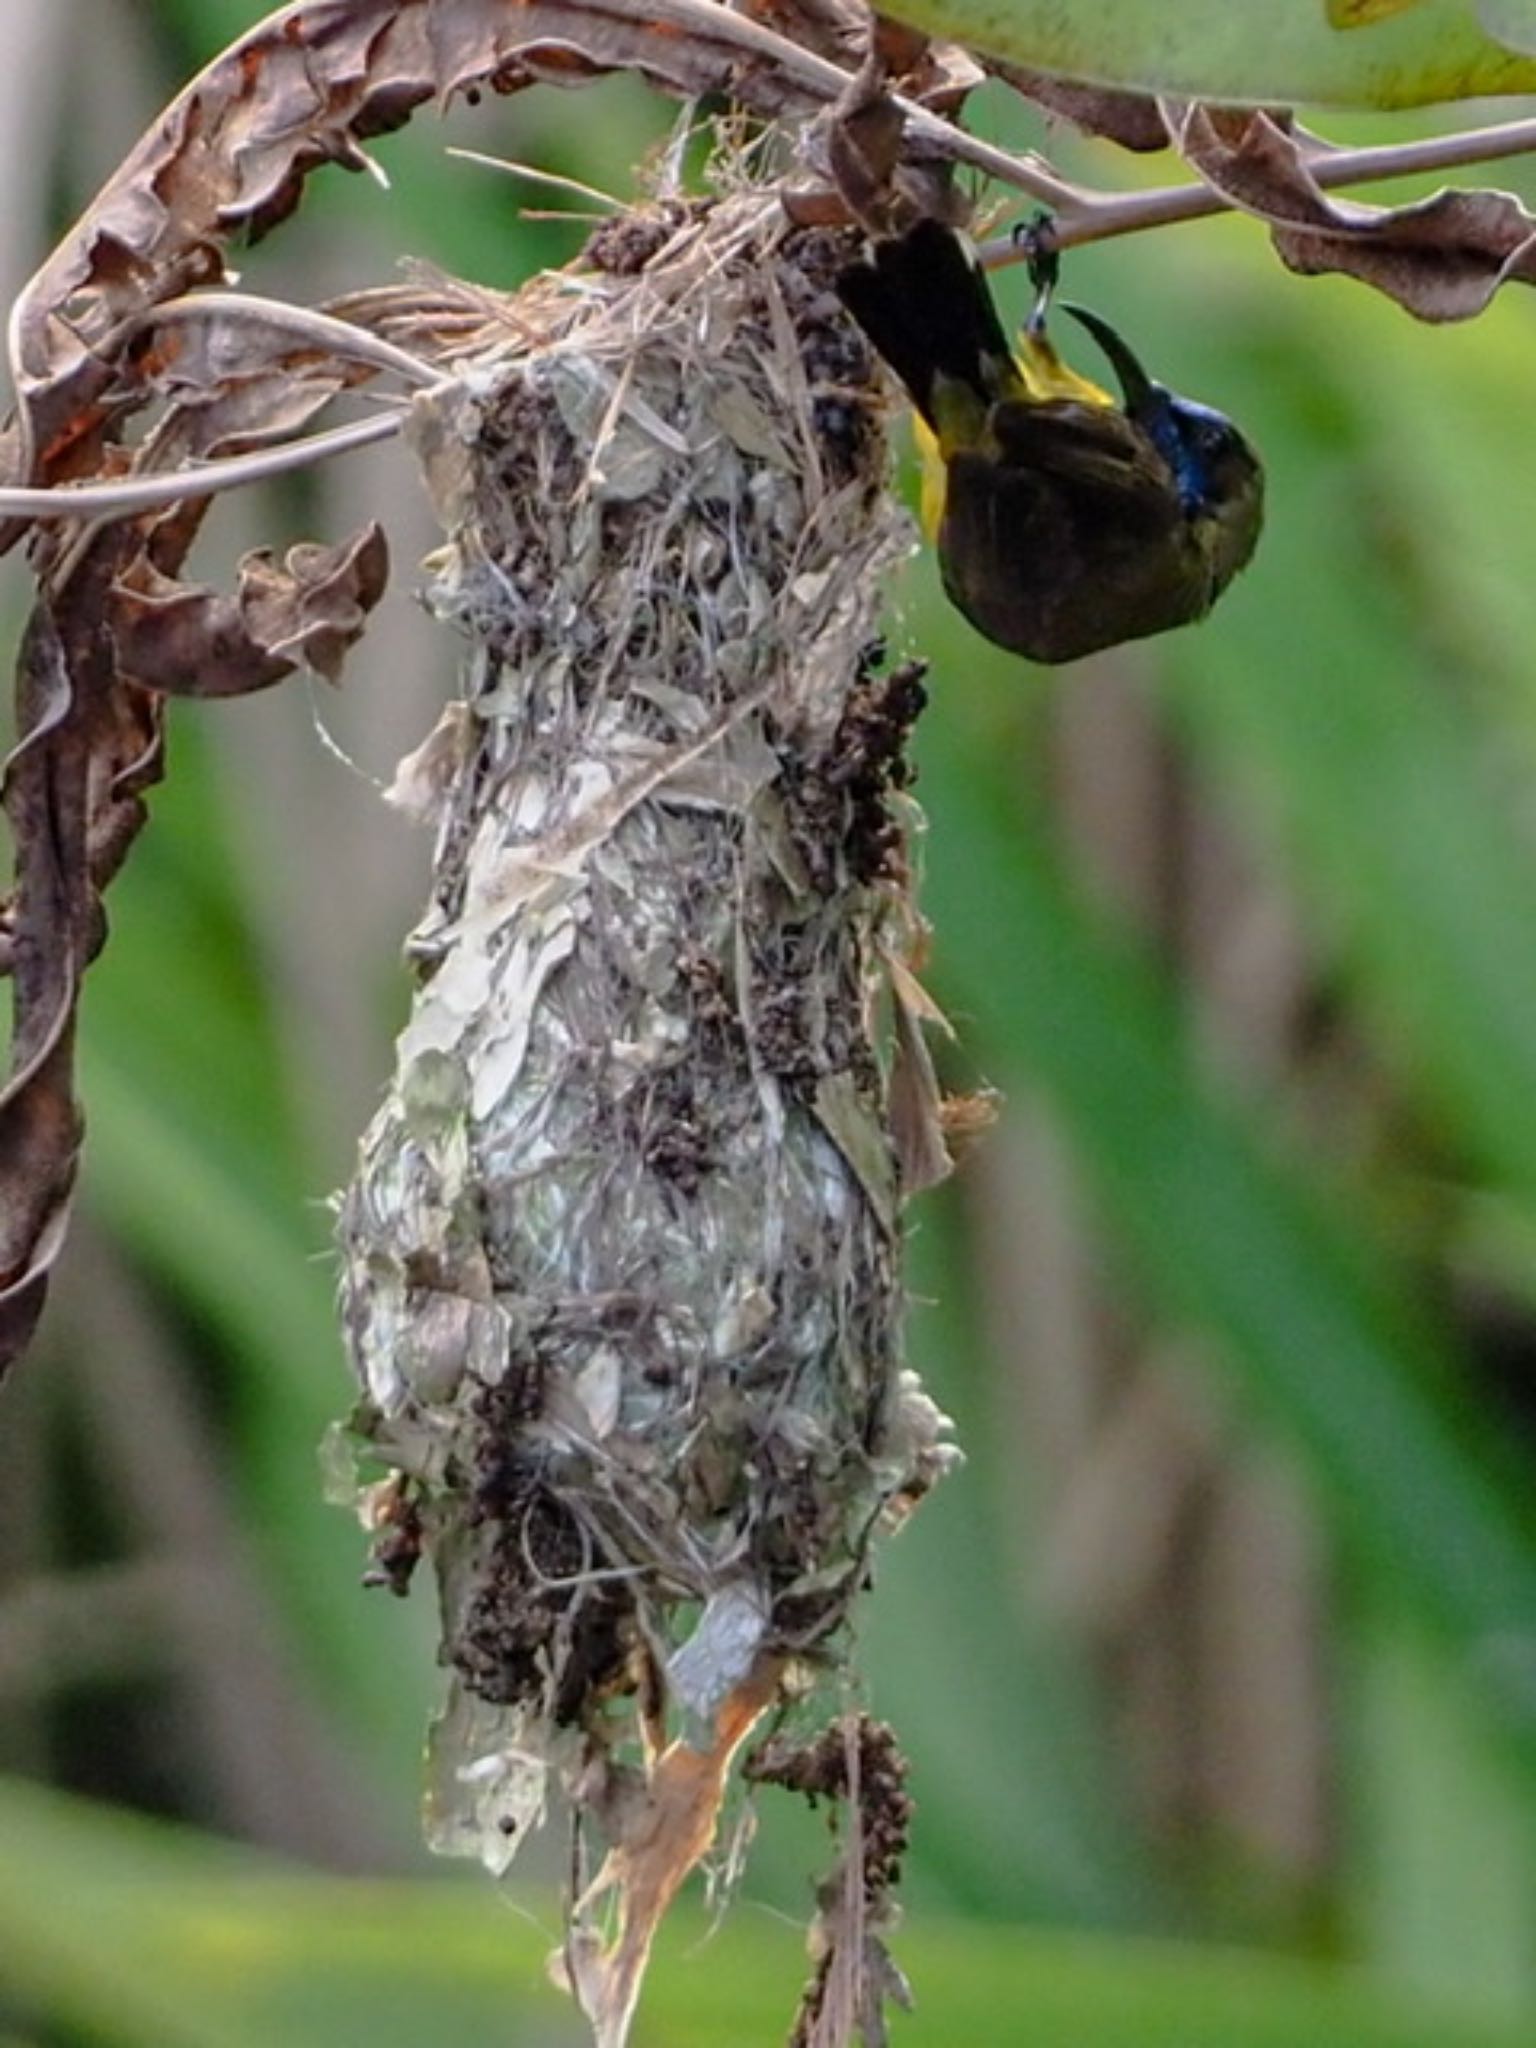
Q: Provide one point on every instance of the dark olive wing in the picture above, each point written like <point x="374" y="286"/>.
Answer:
<point x="924" y="302"/>
<point x="1071" y="537"/>
<point x="1095" y="448"/>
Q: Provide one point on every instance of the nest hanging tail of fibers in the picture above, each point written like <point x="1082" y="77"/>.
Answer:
<point x="622" y="1260"/>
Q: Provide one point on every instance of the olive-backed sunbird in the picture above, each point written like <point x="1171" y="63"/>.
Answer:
<point x="1065" y="522"/>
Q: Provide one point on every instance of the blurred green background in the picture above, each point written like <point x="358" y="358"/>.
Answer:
<point x="1217" y="1664"/>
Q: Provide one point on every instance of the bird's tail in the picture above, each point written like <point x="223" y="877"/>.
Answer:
<point x="923" y="301"/>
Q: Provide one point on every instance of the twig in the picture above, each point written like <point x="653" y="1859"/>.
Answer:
<point x="1083" y="215"/>
<point x="538" y="177"/>
<point x="1098" y="216"/>
<point x="830" y="82"/>
<point x="1087" y="215"/>
<point x="305" y="325"/>
<point x="140" y="493"/>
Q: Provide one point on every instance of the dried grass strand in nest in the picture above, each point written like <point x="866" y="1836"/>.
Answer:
<point x="622" y="1256"/>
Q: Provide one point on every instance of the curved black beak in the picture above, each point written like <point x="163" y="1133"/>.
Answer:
<point x="1140" y="393"/>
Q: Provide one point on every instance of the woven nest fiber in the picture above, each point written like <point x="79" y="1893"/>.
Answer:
<point x="622" y="1274"/>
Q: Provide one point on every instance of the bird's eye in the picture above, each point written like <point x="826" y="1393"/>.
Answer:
<point x="1205" y="434"/>
<point x="1202" y="440"/>
<point x="1217" y="436"/>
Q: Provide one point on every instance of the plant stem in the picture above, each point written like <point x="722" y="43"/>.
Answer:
<point x="1086" y="215"/>
<point x="1097" y="216"/>
<point x="168" y="487"/>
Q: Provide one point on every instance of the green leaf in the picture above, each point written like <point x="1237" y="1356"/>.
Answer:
<point x="1024" y="1818"/>
<point x="1227" y="1238"/>
<point x="192" y="1164"/>
<point x="1438" y="1844"/>
<point x="1387" y="776"/>
<point x="154" y="1938"/>
<point x="1509" y="21"/>
<point x="1250" y="50"/>
<point x="147" y="1935"/>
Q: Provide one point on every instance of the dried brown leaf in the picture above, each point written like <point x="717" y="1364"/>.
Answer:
<point x="937" y="75"/>
<point x="664" y="1826"/>
<point x="90" y="718"/>
<point x="186" y="640"/>
<point x="1133" y="120"/>
<point x="915" y="1098"/>
<point x="72" y="797"/>
<point x="307" y="86"/>
<point x="864" y="151"/>
<point x="89" y="712"/>
<point x="1441" y="258"/>
<point x="838" y="29"/>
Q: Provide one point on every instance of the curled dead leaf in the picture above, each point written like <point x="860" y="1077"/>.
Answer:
<point x="1441" y="258"/>
<point x="186" y="640"/>
<point x="71" y="793"/>
<point x="305" y="87"/>
<point x="1134" y="120"/>
<point x="40" y="1131"/>
<point x="916" y="1106"/>
<point x="864" y="149"/>
<point x="662" y="1828"/>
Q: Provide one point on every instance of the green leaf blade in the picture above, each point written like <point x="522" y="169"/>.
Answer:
<point x="1254" y="51"/>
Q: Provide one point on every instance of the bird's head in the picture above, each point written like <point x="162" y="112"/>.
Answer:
<point x="1215" y="471"/>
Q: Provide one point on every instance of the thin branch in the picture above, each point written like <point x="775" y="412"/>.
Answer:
<point x="141" y="493"/>
<point x="1087" y="215"/>
<point x="537" y="177"/>
<point x="1084" y="216"/>
<point x="307" y="327"/>
<point x="828" y="81"/>
<point x="1097" y="216"/>
<point x="1334" y="166"/>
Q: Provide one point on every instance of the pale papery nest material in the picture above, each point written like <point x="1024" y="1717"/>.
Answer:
<point x="622" y="1259"/>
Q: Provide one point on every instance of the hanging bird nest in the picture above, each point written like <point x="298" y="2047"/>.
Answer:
<point x="622" y="1259"/>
